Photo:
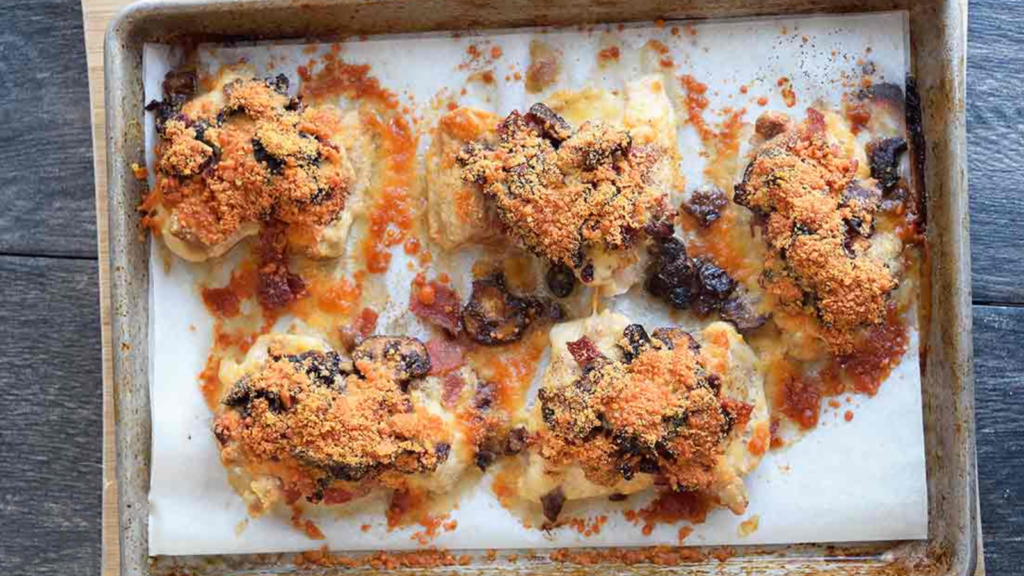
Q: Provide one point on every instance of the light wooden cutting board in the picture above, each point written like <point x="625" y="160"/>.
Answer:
<point x="96" y="15"/>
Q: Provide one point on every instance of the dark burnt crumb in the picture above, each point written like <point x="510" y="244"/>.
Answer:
<point x="560" y="280"/>
<point x="884" y="160"/>
<point x="405" y="357"/>
<point x="706" y="204"/>
<point x="494" y="315"/>
<point x="326" y="369"/>
<point x="686" y="283"/>
<point x="617" y="497"/>
<point x="552" y="504"/>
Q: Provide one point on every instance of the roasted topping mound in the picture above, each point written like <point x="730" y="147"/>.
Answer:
<point x="559" y="191"/>
<point x="494" y="315"/>
<point x="405" y="358"/>
<point x="657" y="411"/>
<point x="331" y="419"/>
<point x="801" y="187"/>
<point x="257" y="158"/>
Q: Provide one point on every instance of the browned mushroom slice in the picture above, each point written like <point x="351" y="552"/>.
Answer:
<point x="405" y="357"/>
<point x="496" y="316"/>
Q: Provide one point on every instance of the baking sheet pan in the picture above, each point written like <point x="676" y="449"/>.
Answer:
<point x="939" y="70"/>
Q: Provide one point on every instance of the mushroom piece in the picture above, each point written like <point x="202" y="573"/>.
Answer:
<point x="406" y="358"/>
<point x="494" y="315"/>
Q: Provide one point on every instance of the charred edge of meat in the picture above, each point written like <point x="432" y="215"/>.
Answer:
<point x="242" y="394"/>
<point x="326" y="369"/>
<point x="915" y="131"/>
<point x="560" y="280"/>
<point x="407" y="358"/>
<point x="706" y="205"/>
<point x="182" y="82"/>
<point x="739" y="312"/>
<point x="552" y="504"/>
<point x="636" y="339"/>
<point x="551" y="125"/>
<point x="884" y="160"/>
<point x="494" y="315"/>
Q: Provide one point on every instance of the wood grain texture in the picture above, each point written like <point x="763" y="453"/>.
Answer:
<point x="999" y="388"/>
<point x="995" y="128"/>
<point x="48" y="197"/>
<point x="50" y="437"/>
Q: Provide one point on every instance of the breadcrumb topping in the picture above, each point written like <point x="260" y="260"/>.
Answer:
<point x="802" y="186"/>
<point x="658" y="411"/>
<point x="360" y="427"/>
<point x="258" y="158"/>
<point x="558" y="191"/>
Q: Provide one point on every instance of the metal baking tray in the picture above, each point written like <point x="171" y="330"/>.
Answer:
<point x="938" y="38"/>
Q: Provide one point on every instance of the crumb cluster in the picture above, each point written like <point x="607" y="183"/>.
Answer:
<point x="816" y="220"/>
<point x="657" y="411"/>
<point x="559" y="190"/>
<point x="333" y="419"/>
<point x="259" y="157"/>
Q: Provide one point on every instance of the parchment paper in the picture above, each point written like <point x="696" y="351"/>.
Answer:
<point x="856" y="481"/>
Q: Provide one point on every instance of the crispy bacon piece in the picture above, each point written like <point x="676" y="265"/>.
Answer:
<point x="277" y="287"/>
<point x="442" y="308"/>
<point x="445" y="356"/>
<point x="584" y="352"/>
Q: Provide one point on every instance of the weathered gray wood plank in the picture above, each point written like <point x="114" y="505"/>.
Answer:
<point x="995" y="139"/>
<point x="50" y="417"/>
<point x="999" y="390"/>
<point x="46" y="184"/>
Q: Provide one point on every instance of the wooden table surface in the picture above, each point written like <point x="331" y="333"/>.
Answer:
<point x="50" y="409"/>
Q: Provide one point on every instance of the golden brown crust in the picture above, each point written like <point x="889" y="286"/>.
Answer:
<point x="258" y="158"/>
<point x="558" y="191"/>
<point x="352" y="425"/>
<point x="658" y="411"/>
<point x="803" y="189"/>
